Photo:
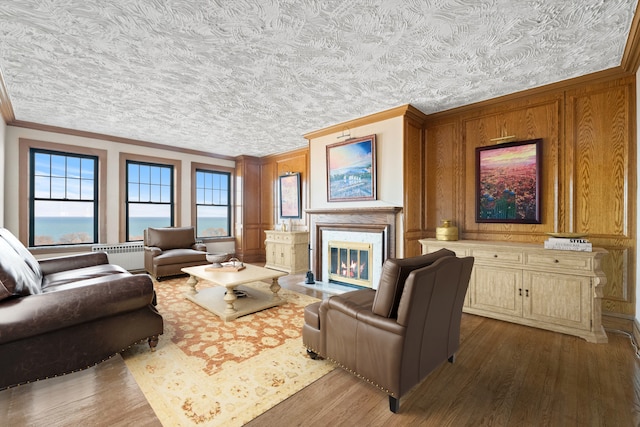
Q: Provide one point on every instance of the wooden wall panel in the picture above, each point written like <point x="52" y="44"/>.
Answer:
<point x="248" y="246"/>
<point x="268" y="181"/>
<point x="601" y="179"/>
<point x="413" y="187"/>
<point x="523" y="121"/>
<point x="598" y="151"/>
<point x="443" y="167"/>
<point x="588" y="176"/>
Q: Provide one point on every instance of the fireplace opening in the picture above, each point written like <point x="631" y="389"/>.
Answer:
<point x="350" y="263"/>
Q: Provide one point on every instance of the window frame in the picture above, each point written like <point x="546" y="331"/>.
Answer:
<point x="125" y="158"/>
<point x="25" y="145"/>
<point x="195" y="167"/>
<point x="33" y="198"/>
<point x="171" y="203"/>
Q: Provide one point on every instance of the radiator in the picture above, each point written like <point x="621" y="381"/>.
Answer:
<point x="127" y="255"/>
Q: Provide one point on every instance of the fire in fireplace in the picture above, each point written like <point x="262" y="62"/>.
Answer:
<point x="350" y="263"/>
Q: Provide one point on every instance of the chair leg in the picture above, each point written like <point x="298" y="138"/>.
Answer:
<point x="394" y="404"/>
<point x="312" y="354"/>
<point x="452" y="358"/>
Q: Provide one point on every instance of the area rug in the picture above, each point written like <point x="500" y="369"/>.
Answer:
<point x="206" y="372"/>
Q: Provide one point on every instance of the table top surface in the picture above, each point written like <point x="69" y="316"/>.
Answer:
<point x="251" y="273"/>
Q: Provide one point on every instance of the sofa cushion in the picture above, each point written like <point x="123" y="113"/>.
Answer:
<point x="28" y="257"/>
<point x="16" y="275"/>
<point x="52" y="281"/>
<point x="171" y="237"/>
<point x="394" y="273"/>
<point x="180" y="256"/>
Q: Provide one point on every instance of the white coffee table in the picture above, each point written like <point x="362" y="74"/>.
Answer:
<point x="222" y="300"/>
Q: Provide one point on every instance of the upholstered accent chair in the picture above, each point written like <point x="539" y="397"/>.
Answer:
<point x="393" y="337"/>
<point x="169" y="249"/>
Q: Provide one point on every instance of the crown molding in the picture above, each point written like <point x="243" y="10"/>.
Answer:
<point x="104" y="137"/>
<point x="403" y="110"/>
<point x="6" y="109"/>
<point x="631" y="56"/>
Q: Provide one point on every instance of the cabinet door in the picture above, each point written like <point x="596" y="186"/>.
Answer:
<point x="496" y="290"/>
<point x="559" y="299"/>
<point x="270" y="253"/>
<point x="285" y="255"/>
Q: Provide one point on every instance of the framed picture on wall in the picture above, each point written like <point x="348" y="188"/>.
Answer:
<point x="290" y="201"/>
<point x="508" y="182"/>
<point x="351" y="170"/>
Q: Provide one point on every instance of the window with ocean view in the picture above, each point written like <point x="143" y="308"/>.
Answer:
<point x="63" y="198"/>
<point x="213" y="203"/>
<point x="149" y="197"/>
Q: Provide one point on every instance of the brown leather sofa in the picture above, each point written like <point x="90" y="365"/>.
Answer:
<point x="64" y="314"/>
<point x="393" y="337"/>
<point x="169" y="249"/>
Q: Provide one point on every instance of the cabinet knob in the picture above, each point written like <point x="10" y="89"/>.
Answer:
<point x="495" y="255"/>
<point x="556" y="261"/>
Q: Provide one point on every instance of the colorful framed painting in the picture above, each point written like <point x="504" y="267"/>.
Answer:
<point x="508" y="182"/>
<point x="290" y="201"/>
<point x="351" y="170"/>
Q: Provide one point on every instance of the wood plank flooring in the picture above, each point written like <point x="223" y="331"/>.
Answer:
<point x="504" y="375"/>
<point x="103" y="395"/>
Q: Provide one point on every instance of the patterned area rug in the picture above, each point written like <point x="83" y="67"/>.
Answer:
<point x="206" y="372"/>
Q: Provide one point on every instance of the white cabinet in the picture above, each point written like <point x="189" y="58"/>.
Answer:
<point x="527" y="284"/>
<point x="287" y="251"/>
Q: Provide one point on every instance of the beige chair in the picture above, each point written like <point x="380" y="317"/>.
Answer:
<point x="395" y="336"/>
<point x="169" y="249"/>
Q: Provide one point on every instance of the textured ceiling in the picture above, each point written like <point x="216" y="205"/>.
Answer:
<point x="252" y="76"/>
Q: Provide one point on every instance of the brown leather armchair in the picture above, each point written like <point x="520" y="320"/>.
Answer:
<point x="395" y="336"/>
<point x="169" y="249"/>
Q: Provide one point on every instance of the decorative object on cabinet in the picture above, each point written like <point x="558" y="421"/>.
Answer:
<point x="508" y="182"/>
<point x="287" y="251"/>
<point x="351" y="170"/>
<point x="524" y="283"/>
<point x="447" y="231"/>
<point x="290" y="201"/>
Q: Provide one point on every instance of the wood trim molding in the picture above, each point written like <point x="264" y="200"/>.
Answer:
<point x="578" y="82"/>
<point x="404" y="110"/>
<point x="631" y="56"/>
<point x="6" y="109"/>
<point x="104" y="137"/>
<point x="122" y="177"/>
<point x="636" y="330"/>
<point x="232" y="180"/>
<point x="23" y="184"/>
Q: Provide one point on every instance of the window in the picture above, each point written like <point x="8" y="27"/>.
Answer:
<point x="213" y="203"/>
<point x="63" y="198"/>
<point x="149" y="197"/>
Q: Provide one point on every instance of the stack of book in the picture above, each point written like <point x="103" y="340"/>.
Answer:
<point x="568" y="244"/>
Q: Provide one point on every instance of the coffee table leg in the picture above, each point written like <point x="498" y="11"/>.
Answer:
<point x="275" y="287"/>
<point x="192" y="282"/>
<point x="230" y="298"/>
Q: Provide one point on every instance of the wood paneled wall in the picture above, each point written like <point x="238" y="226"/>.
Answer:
<point x="588" y="171"/>
<point x="257" y="199"/>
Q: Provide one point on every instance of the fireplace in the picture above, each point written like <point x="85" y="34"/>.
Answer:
<point x="350" y="263"/>
<point x="353" y="229"/>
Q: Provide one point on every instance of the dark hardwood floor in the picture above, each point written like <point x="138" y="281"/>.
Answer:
<point x="504" y="375"/>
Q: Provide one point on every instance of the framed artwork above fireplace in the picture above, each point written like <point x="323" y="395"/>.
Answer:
<point x="351" y="170"/>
